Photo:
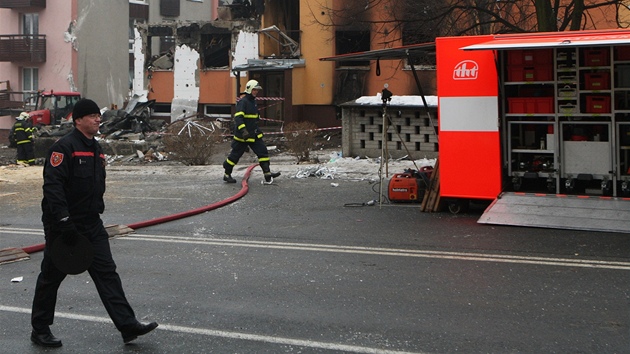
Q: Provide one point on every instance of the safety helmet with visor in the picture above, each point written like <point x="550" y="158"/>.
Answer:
<point x="252" y="85"/>
<point x="23" y="116"/>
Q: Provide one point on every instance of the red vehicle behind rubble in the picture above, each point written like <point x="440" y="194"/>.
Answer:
<point x="52" y="107"/>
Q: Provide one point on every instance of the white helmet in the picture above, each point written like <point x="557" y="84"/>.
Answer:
<point x="252" y="85"/>
<point x="23" y="116"/>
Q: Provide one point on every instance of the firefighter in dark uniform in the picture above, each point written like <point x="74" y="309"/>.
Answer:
<point x="22" y="135"/>
<point x="248" y="134"/>
<point x="74" y="184"/>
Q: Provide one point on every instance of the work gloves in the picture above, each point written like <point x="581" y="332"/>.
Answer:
<point x="68" y="232"/>
<point x="245" y="133"/>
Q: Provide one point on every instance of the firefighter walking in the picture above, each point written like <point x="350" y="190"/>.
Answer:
<point x="22" y="134"/>
<point x="248" y="134"/>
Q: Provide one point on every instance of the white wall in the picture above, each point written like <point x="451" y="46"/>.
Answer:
<point x="102" y="42"/>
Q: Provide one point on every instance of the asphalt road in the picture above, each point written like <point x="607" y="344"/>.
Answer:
<point x="292" y="268"/>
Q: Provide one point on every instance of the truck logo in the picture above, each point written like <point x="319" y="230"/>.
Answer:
<point x="466" y="70"/>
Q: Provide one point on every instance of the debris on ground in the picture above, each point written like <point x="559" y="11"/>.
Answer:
<point x="129" y="137"/>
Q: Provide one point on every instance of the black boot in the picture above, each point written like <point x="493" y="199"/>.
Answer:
<point x="270" y="176"/>
<point x="136" y="330"/>
<point x="228" y="178"/>
<point x="45" y="339"/>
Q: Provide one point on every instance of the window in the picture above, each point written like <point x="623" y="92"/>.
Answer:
<point x="350" y="42"/>
<point x="216" y="50"/>
<point x="132" y="35"/>
<point x="169" y="8"/>
<point x="218" y="111"/>
<point x="30" y="83"/>
<point x="412" y="34"/>
<point x="30" y="24"/>
<point x="166" y="44"/>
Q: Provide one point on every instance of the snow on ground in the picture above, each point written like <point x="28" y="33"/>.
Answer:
<point x="333" y="166"/>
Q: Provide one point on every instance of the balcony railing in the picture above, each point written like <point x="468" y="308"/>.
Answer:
<point x="19" y="4"/>
<point x="23" y="48"/>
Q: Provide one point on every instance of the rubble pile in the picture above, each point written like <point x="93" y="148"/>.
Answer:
<point x="125" y="134"/>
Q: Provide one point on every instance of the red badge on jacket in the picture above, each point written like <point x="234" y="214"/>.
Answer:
<point x="56" y="159"/>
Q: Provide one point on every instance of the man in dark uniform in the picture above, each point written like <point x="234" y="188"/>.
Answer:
<point x="22" y="134"/>
<point x="74" y="184"/>
<point x="247" y="134"/>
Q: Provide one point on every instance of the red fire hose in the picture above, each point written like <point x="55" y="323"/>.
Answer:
<point x="167" y="218"/>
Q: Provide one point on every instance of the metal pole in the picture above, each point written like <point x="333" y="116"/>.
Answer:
<point x="380" y="170"/>
<point x="386" y="96"/>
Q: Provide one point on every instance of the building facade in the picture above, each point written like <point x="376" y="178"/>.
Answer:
<point x="194" y="56"/>
<point x="60" y="46"/>
<point x="199" y="67"/>
<point x="82" y="46"/>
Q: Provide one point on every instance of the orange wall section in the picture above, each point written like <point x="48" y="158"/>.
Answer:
<point x="161" y="86"/>
<point x="216" y="87"/>
<point x="314" y="85"/>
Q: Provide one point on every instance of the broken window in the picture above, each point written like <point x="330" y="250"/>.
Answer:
<point x="216" y="50"/>
<point x="169" y="8"/>
<point x="167" y="43"/>
<point x="350" y="42"/>
<point x="282" y="28"/>
<point x="412" y="34"/>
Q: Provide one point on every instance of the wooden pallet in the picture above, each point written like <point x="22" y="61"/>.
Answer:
<point x="432" y="201"/>
<point x="10" y="255"/>
<point x="118" y="230"/>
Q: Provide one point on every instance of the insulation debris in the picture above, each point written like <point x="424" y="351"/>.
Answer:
<point x="316" y="171"/>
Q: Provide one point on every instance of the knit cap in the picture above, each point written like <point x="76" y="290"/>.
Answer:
<point x="84" y="107"/>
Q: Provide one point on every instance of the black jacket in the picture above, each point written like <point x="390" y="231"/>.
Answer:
<point x="247" y="117"/>
<point x="22" y="132"/>
<point x="74" y="179"/>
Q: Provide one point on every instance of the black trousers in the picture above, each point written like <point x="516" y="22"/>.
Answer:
<point x="102" y="271"/>
<point x="25" y="153"/>
<point x="238" y="149"/>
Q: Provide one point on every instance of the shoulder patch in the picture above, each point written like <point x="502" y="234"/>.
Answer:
<point x="56" y="158"/>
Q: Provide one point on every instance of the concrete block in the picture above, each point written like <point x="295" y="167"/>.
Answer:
<point x="428" y="147"/>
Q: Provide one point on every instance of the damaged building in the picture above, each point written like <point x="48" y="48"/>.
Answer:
<point x="191" y="67"/>
<point x="199" y="67"/>
<point x="46" y="45"/>
<point x="193" y="57"/>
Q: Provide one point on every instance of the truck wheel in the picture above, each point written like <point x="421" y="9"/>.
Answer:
<point x="458" y="206"/>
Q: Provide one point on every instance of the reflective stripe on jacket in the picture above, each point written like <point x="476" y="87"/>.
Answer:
<point x="247" y="117"/>
<point x="74" y="178"/>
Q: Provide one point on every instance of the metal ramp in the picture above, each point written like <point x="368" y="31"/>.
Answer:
<point x="559" y="212"/>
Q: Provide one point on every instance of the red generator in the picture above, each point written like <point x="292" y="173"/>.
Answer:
<point x="410" y="185"/>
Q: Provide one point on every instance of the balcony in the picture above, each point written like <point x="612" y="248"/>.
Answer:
<point x="23" y="4"/>
<point x="23" y="48"/>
